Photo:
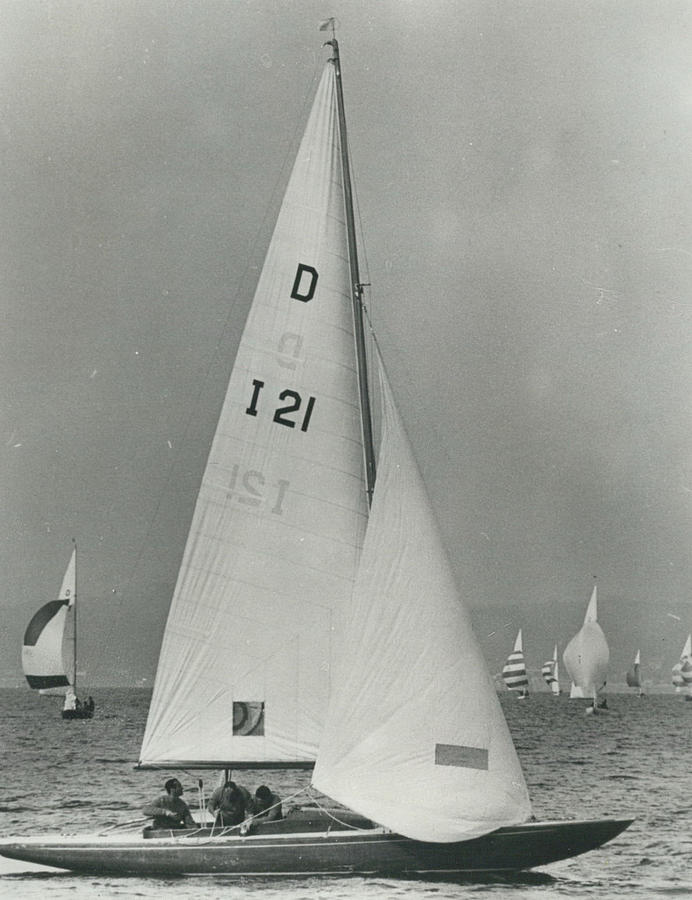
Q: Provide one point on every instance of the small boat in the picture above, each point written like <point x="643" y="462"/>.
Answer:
<point x="316" y="621"/>
<point x="514" y="670"/>
<point x="49" y="650"/>
<point x="634" y="675"/>
<point x="550" y="673"/>
<point x="677" y="678"/>
<point x="587" y="655"/>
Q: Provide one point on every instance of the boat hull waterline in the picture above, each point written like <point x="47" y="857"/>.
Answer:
<point x="508" y="849"/>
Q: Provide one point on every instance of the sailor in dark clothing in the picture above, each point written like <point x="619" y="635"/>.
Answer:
<point x="267" y="805"/>
<point x="230" y="803"/>
<point x="169" y="810"/>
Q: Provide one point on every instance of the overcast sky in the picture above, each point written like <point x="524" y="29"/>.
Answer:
<point x="523" y="179"/>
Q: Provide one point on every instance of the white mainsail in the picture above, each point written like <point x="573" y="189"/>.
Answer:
<point x="48" y="646"/>
<point x="415" y="737"/>
<point x="550" y="673"/>
<point x="276" y="536"/>
<point x="587" y="655"/>
<point x="514" y="670"/>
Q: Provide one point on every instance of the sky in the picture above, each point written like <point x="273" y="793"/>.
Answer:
<point x="523" y="180"/>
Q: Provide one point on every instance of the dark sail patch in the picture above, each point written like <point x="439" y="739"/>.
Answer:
<point x="457" y="755"/>
<point x="248" y="718"/>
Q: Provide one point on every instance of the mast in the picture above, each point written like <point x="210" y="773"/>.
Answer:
<point x="356" y="286"/>
<point x="74" y="607"/>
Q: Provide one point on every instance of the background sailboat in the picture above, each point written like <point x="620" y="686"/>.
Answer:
<point x="634" y="675"/>
<point x="316" y="619"/>
<point x="686" y="654"/>
<point x="514" y="670"/>
<point x="550" y="673"/>
<point x="49" y="651"/>
<point x="587" y="655"/>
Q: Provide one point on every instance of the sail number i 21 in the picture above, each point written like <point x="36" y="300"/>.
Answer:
<point x="292" y="414"/>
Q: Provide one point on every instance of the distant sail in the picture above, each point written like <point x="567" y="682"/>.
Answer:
<point x="677" y="678"/>
<point x="514" y="670"/>
<point x="686" y="673"/>
<point x="633" y="677"/>
<point x="550" y="674"/>
<point x="48" y="648"/>
<point x="587" y="655"/>
<point x="575" y="692"/>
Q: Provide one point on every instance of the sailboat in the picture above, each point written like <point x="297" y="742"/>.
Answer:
<point x="634" y="675"/>
<point x="550" y="673"/>
<point x="514" y="670"/>
<point x="316" y="621"/>
<point x="49" y="650"/>
<point x="686" y="654"/>
<point x="587" y="655"/>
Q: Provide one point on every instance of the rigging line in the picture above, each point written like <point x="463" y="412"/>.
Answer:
<point x="330" y="815"/>
<point x="243" y="289"/>
<point x="405" y="391"/>
<point x="227" y="829"/>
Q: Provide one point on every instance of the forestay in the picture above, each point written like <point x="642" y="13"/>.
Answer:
<point x="245" y="666"/>
<point x="415" y="737"/>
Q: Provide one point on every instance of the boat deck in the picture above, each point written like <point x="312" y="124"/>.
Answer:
<point x="303" y="819"/>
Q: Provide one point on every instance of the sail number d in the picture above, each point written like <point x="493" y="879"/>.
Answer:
<point x="304" y="283"/>
<point x="287" y="415"/>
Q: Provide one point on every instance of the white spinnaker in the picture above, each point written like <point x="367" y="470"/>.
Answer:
<point x="279" y="522"/>
<point x="48" y="647"/>
<point x="415" y="737"/>
<point x="587" y="655"/>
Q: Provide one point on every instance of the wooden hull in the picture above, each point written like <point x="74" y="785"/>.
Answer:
<point x="371" y="852"/>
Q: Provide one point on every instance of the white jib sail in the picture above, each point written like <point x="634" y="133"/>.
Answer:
<point x="244" y="669"/>
<point x="415" y="737"/>
<point x="587" y="655"/>
<point x="514" y="670"/>
<point x="48" y="646"/>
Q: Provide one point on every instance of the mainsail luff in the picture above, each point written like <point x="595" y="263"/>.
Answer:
<point x="356" y="286"/>
<point x="277" y="530"/>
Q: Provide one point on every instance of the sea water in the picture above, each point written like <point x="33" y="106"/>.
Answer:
<point x="632" y="761"/>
